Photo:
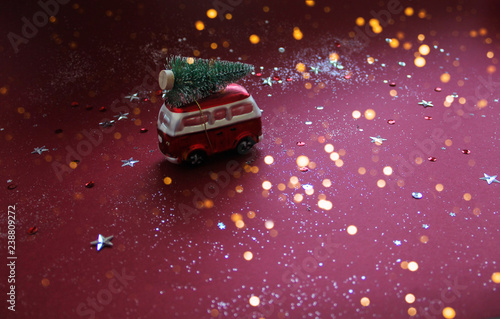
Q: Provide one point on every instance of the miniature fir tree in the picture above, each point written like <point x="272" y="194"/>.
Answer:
<point x="190" y="79"/>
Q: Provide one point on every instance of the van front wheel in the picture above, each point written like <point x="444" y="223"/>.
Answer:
<point x="245" y="145"/>
<point x="196" y="158"/>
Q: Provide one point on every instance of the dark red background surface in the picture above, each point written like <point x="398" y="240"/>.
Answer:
<point x="170" y="258"/>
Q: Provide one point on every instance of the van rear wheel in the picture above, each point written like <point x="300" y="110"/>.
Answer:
<point x="196" y="158"/>
<point x="245" y="145"/>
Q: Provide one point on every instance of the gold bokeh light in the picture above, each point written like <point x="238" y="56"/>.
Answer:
<point x="247" y="255"/>
<point x="387" y="170"/>
<point x="212" y="13"/>
<point x="302" y="161"/>
<point x="412" y="266"/>
<point x="352" y="230"/>
<point x="449" y="313"/>
<point x="269" y="224"/>
<point x="199" y="25"/>
<point x="254" y="39"/>
<point x="424" y="49"/>
<point x="419" y="61"/>
<point x="365" y="302"/>
<point x="254" y="301"/>
<point x="370" y="114"/>
<point x="410" y="298"/>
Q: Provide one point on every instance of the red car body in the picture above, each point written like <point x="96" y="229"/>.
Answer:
<point x="223" y="121"/>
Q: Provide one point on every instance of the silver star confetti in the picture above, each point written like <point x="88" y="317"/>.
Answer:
<point x="314" y="70"/>
<point x="490" y="179"/>
<point x="268" y="81"/>
<point x="39" y="150"/>
<point x="121" y="116"/>
<point x="102" y="241"/>
<point x="377" y="139"/>
<point x="130" y="162"/>
<point x="426" y="104"/>
<point x="336" y="64"/>
<point x="132" y="97"/>
<point x="107" y="123"/>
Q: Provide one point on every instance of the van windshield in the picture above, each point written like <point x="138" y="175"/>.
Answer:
<point x="165" y="116"/>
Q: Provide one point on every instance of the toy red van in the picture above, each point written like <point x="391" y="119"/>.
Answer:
<point x="227" y="120"/>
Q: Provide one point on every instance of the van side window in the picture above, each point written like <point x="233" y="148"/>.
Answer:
<point x="241" y="109"/>
<point x="219" y="114"/>
<point x="195" y="120"/>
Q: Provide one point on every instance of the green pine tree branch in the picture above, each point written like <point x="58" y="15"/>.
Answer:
<point x="195" y="79"/>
